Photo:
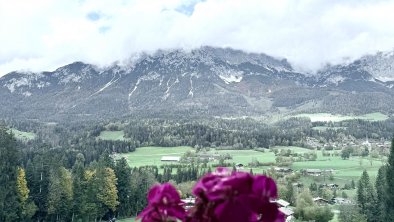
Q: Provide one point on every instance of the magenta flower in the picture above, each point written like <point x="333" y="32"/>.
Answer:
<point x="235" y="196"/>
<point x="222" y="196"/>
<point x="164" y="204"/>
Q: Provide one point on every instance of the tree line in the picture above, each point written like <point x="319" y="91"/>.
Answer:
<point x="45" y="183"/>
<point x="375" y="200"/>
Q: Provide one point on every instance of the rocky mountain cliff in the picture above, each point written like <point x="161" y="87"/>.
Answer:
<point x="205" y="81"/>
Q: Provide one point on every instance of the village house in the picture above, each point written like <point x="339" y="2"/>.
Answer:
<point x="312" y="172"/>
<point x="239" y="166"/>
<point x="284" y="207"/>
<point x="282" y="203"/>
<point x="170" y="158"/>
<point x="288" y="213"/>
<point x="320" y="201"/>
<point x="188" y="202"/>
<point x="283" y="170"/>
<point x="341" y="201"/>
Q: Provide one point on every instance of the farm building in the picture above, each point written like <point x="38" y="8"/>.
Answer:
<point x="283" y="170"/>
<point x="239" y="166"/>
<point x="341" y="201"/>
<point x="330" y="186"/>
<point x="320" y="201"/>
<point x="188" y="202"/>
<point x="282" y="203"/>
<point x="170" y="158"/>
<point x="287" y="212"/>
<point x="284" y="207"/>
<point x="312" y="172"/>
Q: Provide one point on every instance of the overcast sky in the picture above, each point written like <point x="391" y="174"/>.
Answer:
<point x="45" y="34"/>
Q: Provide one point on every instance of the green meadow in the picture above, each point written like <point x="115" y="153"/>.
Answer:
<point x="21" y="135"/>
<point x="345" y="170"/>
<point x="328" y="117"/>
<point x="112" y="135"/>
<point x="152" y="155"/>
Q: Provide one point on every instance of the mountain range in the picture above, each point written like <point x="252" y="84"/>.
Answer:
<point x="206" y="81"/>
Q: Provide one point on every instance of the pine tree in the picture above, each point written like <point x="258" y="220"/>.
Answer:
<point x="381" y="187"/>
<point x="60" y="193"/>
<point x="353" y="185"/>
<point x="389" y="200"/>
<point x="21" y="184"/>
<point x="123" y="173"/>
<point x="350" y="213"/>
<point x="9" y="158"/>
<point x="28" y="208"/>
<point x="79" y="195"/>
<point x="106" y="160"/>
<point x="366" y="197"/>
<point x="90" y="207"/>
<point x="107" y="193"/>
<point x="37" y="175"/>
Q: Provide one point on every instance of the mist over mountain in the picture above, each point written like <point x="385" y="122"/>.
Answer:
<point x="205" y="81"/>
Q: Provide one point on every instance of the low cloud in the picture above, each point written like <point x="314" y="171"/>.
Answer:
<point x="44" y="34"/>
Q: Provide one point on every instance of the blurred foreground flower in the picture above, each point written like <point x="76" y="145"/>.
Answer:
<point x="164" y="204"/>
<point x="222" y="196"/>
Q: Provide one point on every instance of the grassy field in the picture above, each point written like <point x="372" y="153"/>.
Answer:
<point x="152" y="155"/>
<point x="294" y="149"/>
<point x="246" y="156"/>
<point x="23" y="135"/>
<point x="112" y="135"/>
<point x="345" y="170"/>
<point x="327" y="117"/>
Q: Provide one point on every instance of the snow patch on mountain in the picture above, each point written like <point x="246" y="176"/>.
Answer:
<point x="167" y="92"/>
<point x="231" y="78"/>
<point x="191" y="93"/>
<point x="71" y="78"/>
<point x="112" y="81"/>
<point x="150" y="76"/>
<point x="15" y="83"/>
<point x="27" y="94"/>
<point x="381" y="65"/>
<point x="335" y="79"/>
<point x="228" y="75"/>
<point x="280" y="69"/>
<point x="42" y="84"/>
<point x="135" y="87"/>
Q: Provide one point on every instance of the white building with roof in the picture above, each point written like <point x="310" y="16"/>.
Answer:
<point x="170" y="158"/>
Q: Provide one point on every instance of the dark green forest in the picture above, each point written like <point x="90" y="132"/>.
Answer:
<point x="67" y="174"/>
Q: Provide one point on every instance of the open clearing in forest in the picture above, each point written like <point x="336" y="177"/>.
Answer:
<point x="328" y="117"/>
<point x="152" y="155"/>
<point x="21" y="135"/>
<point x="345" y="170"/>
<point x="112" y="135"/>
